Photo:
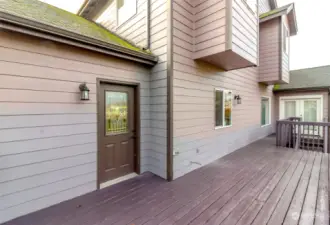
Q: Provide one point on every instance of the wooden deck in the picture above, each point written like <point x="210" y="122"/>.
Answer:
<point x="259" y="184"/>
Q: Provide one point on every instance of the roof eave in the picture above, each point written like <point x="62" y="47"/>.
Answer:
<point x="324" y="88"/>
<point x="290" y="11"/>
<point x="22" y="25"/>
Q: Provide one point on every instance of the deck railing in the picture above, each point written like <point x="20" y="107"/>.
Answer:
<point x="293" y="133"/>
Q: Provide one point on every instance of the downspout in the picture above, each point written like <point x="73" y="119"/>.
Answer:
<point x="170" y="91"/>
<point x="148" y="24"/>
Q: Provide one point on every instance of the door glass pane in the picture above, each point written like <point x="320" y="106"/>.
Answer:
<point x="228" y="108"/>
<point x="218" y="108"/>
<point x="116" y="112"/>
<point x="265" y="111"/>
<point x="310" y="111"/>
<point x="290" y="109"/>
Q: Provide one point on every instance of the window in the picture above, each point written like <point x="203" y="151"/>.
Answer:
<point x="265" y="111"/>
<point x="117" y="13"/>
<point x="285" y="40"/>
<point x="223" y="108"/>
<point x="116" y="112"/>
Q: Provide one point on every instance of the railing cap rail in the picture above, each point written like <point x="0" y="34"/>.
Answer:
<point x="324" y="124"/>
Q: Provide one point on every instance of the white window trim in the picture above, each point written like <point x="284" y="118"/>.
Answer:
<point x="223" y="109"/>
<point x="299" y="97"/>
<point x="270" y="111"/>
<point x="285" y="36"/>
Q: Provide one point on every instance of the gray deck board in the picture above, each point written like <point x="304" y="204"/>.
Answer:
<point x="258" y="184"/>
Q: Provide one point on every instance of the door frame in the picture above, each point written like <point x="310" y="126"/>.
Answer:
<point x="300" y="97"/>
<point x="137" y="115"/>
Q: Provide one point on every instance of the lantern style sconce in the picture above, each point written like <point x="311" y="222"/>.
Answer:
<point x="84" y="92"/>
<point x="238" y="99"/>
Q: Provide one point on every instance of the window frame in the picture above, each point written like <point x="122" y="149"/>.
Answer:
<point x="270" y="111"/>
<point x="223" y="108"/>
<point x="285" y="39"/>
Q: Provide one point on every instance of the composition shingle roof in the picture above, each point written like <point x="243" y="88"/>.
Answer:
<point x="52" y="16"/>
<point x="317" y="77"/>
<point x="274" y="11"/>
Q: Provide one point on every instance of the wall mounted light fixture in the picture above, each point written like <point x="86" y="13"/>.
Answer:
<point x="238" y="99"/>
<point x="84" y="92"/>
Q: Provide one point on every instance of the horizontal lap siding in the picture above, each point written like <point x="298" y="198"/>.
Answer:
<point x="196" y="142"/>
<point x="155" y="158"/>
<point x="244" y="31"/>
<point x="205" y="21"/>
<point x="264" y="6"/>
<point x="269" y="62"/>
<point x="48" y="137"/>
<point x="135" y="28"/>
<point x="285" y="57"/>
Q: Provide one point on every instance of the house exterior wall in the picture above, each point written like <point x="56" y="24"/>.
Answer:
<point x="196" y="141"/>
<point x="48" y="137"/>
<point x="245" y="26"/>
<point x="325" y="95"/>
<point x="264" y="6"/>
<point x="270" y="47"/>
<point x="157" y="158"/>
<point x="285" y="57"/>
<point x="134" y="29"/>
<point x="207" y="19"/>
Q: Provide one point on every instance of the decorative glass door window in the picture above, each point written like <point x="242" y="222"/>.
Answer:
<point x="116" y="112"/>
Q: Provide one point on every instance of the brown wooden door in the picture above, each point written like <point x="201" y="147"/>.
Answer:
<point x="117" y="131"/>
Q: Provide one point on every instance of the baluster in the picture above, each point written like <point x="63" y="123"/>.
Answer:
<point x="313" y="147"/>
<point x="298" y="138"/>
<point x="318" y="137"/>
<point x="325" y="139"/>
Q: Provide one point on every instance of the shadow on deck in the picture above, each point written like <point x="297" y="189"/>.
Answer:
<point x="258" y="184"/>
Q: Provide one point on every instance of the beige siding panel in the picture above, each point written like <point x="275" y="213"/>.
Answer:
<point x="155" y="159"/>
<point x="195" y="139"/>
<point x="245" y="32"/>
<point x="45" y="128"/>
<point x="269" y="51"/>
<point x="135" y="28"/>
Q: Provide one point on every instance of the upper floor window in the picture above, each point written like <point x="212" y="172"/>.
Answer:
<point x="223" y="108"/>
<point x="117" y="13"/>
<point x="285" y="40"/>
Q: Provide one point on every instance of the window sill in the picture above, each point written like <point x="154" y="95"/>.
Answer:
<point x="266" y="125"/>
<point x="221" y="127"/>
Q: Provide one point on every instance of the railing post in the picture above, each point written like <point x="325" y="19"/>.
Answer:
<point x="325" y="144"/>
<point x="298" y="137"/>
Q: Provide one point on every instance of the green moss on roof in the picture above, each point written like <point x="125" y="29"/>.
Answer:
<point x="276" y="87"/>
<point x="269" y="13"/>
<point x="52" y="16"/>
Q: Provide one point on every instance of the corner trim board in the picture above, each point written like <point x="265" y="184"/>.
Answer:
<point x="169" y="166"/>
<point x="229" y="24"/>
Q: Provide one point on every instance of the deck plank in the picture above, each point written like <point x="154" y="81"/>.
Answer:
<point x="258" y="184"/>
<point x="322" y="205"/>
<point x="270" y="204"/>
<point x="308" y="212"/>
<point x="293" y="213"/>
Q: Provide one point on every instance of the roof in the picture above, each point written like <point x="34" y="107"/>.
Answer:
<point x="38" y="15"/>
<point x="317" y="77"/>
<point x="288" y="10"/>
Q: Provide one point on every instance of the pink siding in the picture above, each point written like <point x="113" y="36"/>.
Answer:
<point x="48" y="136"/>
<point x="269" y="61"/>
<point x="286" y="57"/>
<point x="196" y="142"/>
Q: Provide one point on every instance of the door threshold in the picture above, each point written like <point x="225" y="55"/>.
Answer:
<point x="118" y="180"/>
